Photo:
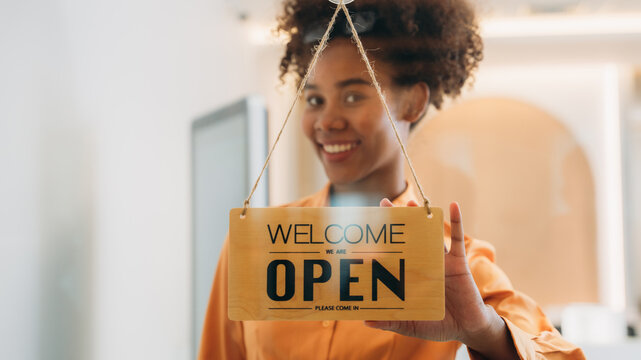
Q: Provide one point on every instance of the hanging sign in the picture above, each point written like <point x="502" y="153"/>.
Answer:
<point x="336" y="263"/>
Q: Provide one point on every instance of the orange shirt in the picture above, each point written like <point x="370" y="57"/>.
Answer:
<point x="223" y="339"/>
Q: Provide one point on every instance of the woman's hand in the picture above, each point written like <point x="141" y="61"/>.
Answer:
<point x="467" y="318"/>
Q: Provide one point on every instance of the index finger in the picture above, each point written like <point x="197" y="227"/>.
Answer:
<point x="386" y="203"/>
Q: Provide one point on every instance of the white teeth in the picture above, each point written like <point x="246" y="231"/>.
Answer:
<point x="337" y="148"/>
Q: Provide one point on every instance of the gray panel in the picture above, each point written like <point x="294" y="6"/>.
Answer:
<point x="229" y="146"/>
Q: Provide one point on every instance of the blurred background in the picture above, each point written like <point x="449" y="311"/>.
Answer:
<point x="107" y="253"/>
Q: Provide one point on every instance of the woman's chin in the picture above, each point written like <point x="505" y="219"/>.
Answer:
<point x="341" y="173"/>
<point x="340" y="178"/>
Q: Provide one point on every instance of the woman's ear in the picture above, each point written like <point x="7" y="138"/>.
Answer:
<point x="416" y="101"/>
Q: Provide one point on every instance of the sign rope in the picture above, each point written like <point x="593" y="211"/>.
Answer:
<point x="319" y="50"/>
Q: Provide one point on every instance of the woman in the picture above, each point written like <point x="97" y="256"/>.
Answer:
<point x="423" y="50"/>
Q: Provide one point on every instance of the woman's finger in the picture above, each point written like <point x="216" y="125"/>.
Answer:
<point x="386" y="203"/>
<point x="395" y="326"/>
<point x="458" y="236"/>
<point x="377" y="324"/>
<point x="406" y="328"/>
<point x="412" y="203"/>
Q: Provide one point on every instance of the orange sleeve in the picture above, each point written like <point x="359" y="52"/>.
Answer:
<point x="532" y="333"/>
<point x="221" y="337"/>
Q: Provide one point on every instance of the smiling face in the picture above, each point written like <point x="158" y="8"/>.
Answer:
<point x="346" y="121"/>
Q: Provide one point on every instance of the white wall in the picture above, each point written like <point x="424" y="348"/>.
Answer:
<point x="96" y="100"/>
<point x="39" y="239"/>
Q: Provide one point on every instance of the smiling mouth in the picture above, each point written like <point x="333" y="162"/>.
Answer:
<point x="338" y="148"/>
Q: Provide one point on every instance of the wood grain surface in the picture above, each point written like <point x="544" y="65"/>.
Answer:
<point x="336" y="264"/>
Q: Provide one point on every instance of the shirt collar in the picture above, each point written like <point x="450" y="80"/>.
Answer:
<point x="321" y="199"/>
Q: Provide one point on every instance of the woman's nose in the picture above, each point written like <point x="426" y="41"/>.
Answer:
<point x="330" y="119"/>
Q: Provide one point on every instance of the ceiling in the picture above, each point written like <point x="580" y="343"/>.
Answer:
<point x="266" y="10"/>
<point x="507" y="8"/>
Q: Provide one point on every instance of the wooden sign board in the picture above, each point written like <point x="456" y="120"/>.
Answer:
<point x="336" y="263"/>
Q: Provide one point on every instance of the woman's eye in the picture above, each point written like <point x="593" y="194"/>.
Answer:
<point x="352" y="98"/>
<point x="314" y="101"/>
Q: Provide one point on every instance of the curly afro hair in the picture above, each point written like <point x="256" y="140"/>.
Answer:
<point x="431" y="41"/>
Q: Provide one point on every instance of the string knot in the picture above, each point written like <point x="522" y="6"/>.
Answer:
<point x="426" y="203"/>
<point x="245" y="206"/>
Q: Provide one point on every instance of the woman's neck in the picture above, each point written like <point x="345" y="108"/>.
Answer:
<point x="383" y="183"/>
